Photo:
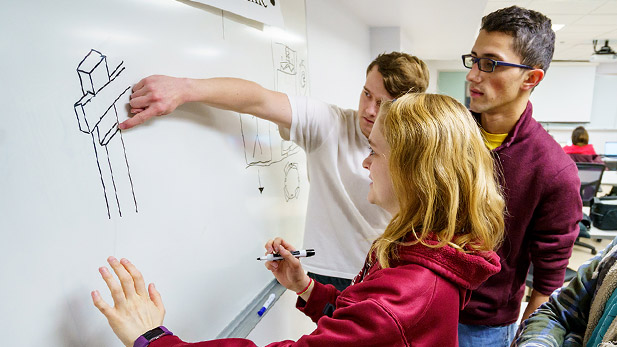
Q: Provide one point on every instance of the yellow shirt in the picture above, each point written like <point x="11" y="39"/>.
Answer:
<point x="493" y="141"/>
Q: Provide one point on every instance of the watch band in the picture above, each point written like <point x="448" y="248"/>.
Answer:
<point x="151" y="335"/>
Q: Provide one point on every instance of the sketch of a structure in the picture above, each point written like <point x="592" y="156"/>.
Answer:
<point x="292" y="181"/>
<point x="256" y="139"/>
<point x="257" y="134"/>
<point x="97" y="115"/>
<point x="290" y="73"/>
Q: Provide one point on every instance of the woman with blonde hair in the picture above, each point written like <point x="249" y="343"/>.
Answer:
<point x="430" y="170"/>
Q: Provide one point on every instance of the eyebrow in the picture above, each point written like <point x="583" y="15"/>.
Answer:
<point x="489" y="55"/>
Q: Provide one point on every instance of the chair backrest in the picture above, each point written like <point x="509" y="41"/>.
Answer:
<point x="586" y="158"/>
<point x="590" y="175"/>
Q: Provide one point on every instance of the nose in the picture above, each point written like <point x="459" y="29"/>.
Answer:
<point x="366" y="163"/>
<point x="474" y="74"/>
<point x="372" y="109"/>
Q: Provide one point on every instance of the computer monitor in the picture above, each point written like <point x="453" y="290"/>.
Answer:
<point x="610" y="149"/>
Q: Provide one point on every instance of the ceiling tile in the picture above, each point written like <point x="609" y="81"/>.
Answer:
<point x="494" y="5"/>
<point x="609" y="7"/>
<point x="566" y="7"/>
<point x="566" y="19"/>
<point x="598" y="19"/>
<point x="587" y="29"/>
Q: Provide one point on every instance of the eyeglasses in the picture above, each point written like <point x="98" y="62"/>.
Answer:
<point x="488" y="65"/>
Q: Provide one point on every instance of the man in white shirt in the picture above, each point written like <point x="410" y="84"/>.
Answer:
<point x="340" y="222"/>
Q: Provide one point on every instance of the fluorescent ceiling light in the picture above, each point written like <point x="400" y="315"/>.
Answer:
<point x="557" y="27"/>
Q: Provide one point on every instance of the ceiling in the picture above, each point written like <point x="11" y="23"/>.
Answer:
<point x="445" y="29"/>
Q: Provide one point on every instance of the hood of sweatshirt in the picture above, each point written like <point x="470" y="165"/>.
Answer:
<point x="467" y="269"/>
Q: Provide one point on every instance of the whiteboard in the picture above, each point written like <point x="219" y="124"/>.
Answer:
<point x="565" y="94"/>
<point x="190" y="198"/>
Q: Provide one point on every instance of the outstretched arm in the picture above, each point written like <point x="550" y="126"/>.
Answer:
<point x="159" y="95"/>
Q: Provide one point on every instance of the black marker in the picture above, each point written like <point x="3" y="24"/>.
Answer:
<point x="297" y="254"/>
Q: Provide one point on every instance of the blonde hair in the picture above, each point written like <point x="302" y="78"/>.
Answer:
<point x="443" y="178"/>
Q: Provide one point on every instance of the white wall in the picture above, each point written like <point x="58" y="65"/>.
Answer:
<point x="385" y="40"/>
<point x="338" y="54"/>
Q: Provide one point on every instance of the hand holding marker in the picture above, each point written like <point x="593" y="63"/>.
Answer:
<point x="297" y="254"/>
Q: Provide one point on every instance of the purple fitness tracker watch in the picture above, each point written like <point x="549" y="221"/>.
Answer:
<point x="151" y="335"/>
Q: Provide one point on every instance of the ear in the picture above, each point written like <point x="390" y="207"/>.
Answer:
<point x="532" y="78"/>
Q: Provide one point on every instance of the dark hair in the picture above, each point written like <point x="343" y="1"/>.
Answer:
<point x="534" y="38"/>
<point x="580" y="137"/>
<point x="401" y="73"/>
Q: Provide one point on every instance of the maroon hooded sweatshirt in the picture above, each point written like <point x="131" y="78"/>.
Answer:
<point x="415" y="302"/>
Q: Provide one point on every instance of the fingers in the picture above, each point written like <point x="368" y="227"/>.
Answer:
<point x="273" y="245"/>
<point x="140" y="286"/>
<point x="287" y="256"/>
<point x="114" y="288"/>
<point x="126" y="280"/>
<point x="100" y="303"/>
<point x="272" y="265"/>
<point x="137" y="119"/>
<point x="139" y="86"/>
<point x="142" y="101"/>
<point x="269" y="247"/>
<point x="155" y="296"/>
<point x="287" y="245"/>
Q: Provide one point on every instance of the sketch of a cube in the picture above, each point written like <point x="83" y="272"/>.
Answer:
<point x="97" y="115"/>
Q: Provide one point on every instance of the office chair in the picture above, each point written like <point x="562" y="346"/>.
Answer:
<point x="590" y="175"/>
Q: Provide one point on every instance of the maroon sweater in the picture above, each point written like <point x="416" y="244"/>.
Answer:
<point x="541" y="188"/>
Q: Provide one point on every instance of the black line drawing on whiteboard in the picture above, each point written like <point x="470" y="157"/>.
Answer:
<point x="97" y="115"/>
<point x="292" y="181"/>
<point x="256" y="137"/>
<point x="302" y="76"/>
<point x="290" y="74"/>
<point x="257" y="134"/>
<point x="261" y="187"/>
<point x="257" y="141"/>
<point x="290" y="78"/>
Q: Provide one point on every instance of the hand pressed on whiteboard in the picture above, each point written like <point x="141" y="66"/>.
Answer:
<point x="136" y="310"/>
<point x="289" y="271"/>
<point x="155" y="96"/>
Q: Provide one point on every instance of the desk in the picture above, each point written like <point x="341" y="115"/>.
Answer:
<point x="609" y="178"/>
<point x="596" y="233"/>
<point x="610" y="162"/>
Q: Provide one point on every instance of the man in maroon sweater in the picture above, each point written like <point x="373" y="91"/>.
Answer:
<point x="541" y="186"/>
